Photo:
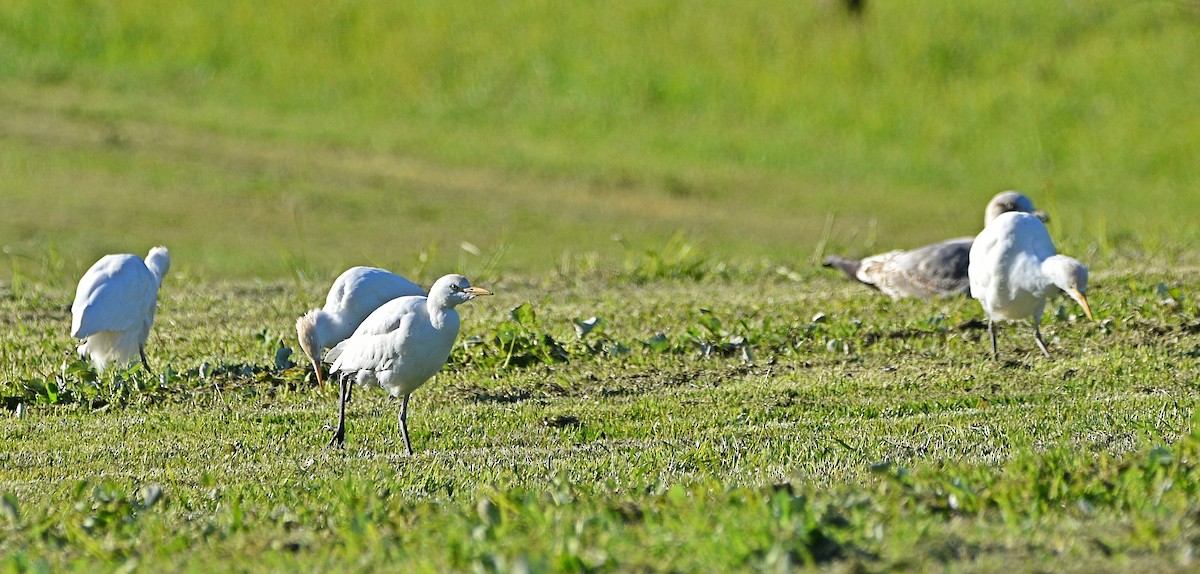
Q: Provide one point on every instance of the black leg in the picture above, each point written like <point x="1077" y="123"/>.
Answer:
<point x="339" y="434"/>
<point x="404" y="424"/>
<point x="349" y="390"/>
<point x="992" y="332"/>
<point x="1037" y="334"/>
<point x="145" y="363"/>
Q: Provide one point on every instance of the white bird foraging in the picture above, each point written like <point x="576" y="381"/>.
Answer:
<point x="400" y="346"/>
<point x="1014" y="266"/>
<point x="354" y="295"/>
<point x="114" y="307"/>
<point x="935" y="269"/>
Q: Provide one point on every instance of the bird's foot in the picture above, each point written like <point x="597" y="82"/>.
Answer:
<point x="339" y="436"/>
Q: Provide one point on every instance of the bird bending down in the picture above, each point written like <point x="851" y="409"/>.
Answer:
<point x="935" y="269"/>
<point x="354" y="295"/>
<point x="1014" y="266"/>
<point x="400" y="346"/>
<point x="114" y="307"/>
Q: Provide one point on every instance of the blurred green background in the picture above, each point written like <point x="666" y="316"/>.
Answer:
<point x="262" y="139"/>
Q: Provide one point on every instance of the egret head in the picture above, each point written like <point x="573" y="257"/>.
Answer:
<point x="1071" y="276"/>
<point x="159" y="261"/>
<point x="306" y="332"/>
<point x="1007" y="201"/>
<point x="452" y="290"/>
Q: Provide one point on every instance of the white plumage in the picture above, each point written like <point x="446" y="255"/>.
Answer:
<point x="400" y="346"/>
<point x="935" y="269"/>
<point x="114" y="307"/>
<point x="354" y="295"/>
<point x="1014" y="266"/>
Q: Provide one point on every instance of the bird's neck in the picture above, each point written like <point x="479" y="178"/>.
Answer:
<point x="438" y="312"/>
<point x="1053" y="274"/>
<point x="326" y="324"/>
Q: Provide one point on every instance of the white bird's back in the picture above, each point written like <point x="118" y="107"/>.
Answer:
<point x="115" y="294"/>
<point x="359" y="291"/>
<point x="1005" y="266"/>
<point x="115" y="304"/>
<point x="399" y="344"/>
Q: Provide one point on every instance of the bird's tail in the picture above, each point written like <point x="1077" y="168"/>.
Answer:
<point x="111" y="347"/>
<point x="847" y="266"/>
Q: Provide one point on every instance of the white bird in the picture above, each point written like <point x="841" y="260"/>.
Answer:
<point x="400" y="346"/>
<point x="1014" y="266"/>
<point x="354" y="295"/>
<point x="114" y="307"/>
<point x="935" y="269"/>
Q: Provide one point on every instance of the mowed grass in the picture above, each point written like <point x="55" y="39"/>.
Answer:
<point x="735" y="421"/>
<point x="673" y="169"/>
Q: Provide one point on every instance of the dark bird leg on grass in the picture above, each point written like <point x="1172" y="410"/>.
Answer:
<point x="339" y="434"/>
<point x="1037" y="335"/>
<point x="145" y="363"/>
<point x="404" y="424"/>
<point x="992" y="332"/>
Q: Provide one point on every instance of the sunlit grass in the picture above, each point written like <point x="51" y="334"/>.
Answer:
<point x="662" y="174"/>
<point x="802" y="421"/>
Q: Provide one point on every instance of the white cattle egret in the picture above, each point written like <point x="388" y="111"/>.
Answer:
<point x="115" y="305"/>
<point x="936" y="269"/>
<point x="1014" y="266"/>
<point x="354" y="295"/>
<point x="400" y="346"/>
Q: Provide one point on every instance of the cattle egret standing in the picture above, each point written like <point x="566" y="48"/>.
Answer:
<point x="354" y="295"/>
<point x="114" y="307"/>
<point x="936" y="269"/>
<point x="400" y="346"/>
<point x="1014" y="266"/>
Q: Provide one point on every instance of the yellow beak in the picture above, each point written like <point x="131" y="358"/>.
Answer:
<point x="477" y="291"/>
<point x="317" y="368"/>
<point x="1083" y="302"/>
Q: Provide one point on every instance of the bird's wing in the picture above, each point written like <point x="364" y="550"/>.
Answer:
<point x="363" y="346"/>
<point x="377" y="351"/>
<point x="114" y="295"/>
<point x="937" y="269"/>
<point x="390" y="316"/>
<point x="876" y="271"/>
<point x="984" y="261"/>
<point x="361" y="290"/>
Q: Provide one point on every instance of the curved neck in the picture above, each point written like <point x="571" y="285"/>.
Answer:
<point x="438" y="311"/>
<point x="158" y="266"/>
<point x="1055" y="272"/>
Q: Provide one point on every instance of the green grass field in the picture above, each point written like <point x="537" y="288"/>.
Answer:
<point x="673" y="169"/>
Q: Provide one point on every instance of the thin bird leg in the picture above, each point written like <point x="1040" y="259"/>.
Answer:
<point x="349" y="390"/>
<point x="992" y="332"/>
<point x="145" y="363"/>
<point x="404" y="424"/>
<point x="1037" y="334"/>
<point x="339" y="434"/>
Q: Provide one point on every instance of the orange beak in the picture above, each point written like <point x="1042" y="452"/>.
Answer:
<point x="317" y="368"/>
<point x="1083" y="302"/>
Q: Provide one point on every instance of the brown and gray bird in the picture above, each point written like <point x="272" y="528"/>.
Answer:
<point x="937" y="269"/>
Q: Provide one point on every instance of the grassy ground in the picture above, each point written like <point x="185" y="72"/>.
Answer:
<point x="672" y="169"/>
<point x="862" y="433"/>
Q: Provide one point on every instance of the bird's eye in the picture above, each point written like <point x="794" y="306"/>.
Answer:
<point x="456" y="288"/>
